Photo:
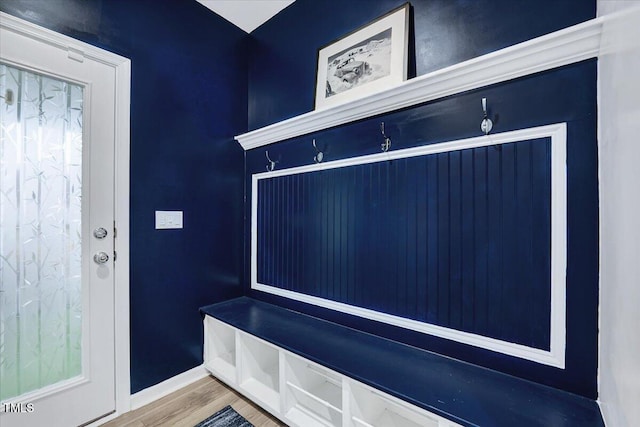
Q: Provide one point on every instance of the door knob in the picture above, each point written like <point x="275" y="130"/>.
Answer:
<point x="100" y="233"/>
<point x="100" y="258"/>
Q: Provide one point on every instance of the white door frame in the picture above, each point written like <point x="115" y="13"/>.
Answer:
<point x="78" y="50"/>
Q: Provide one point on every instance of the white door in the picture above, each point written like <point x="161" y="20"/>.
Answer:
<point x="57" y="152"/>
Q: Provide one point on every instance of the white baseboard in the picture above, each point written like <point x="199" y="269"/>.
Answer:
<point x="166" y="387"/>
<point x="157" y="391"/>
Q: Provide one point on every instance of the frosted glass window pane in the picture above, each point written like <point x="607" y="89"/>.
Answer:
<point x="40" y="231"/>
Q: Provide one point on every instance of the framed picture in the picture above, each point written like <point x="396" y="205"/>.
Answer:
<point x="367" y="60"/>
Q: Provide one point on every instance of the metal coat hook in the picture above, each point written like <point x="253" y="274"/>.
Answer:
<point x="272" y="165"/>
<point x="387" y="141"/>
<point x="319" y="154"/>
<point x="486" y="124"/>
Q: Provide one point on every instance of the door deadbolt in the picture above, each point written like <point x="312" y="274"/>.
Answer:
<point x="100" y="233"/>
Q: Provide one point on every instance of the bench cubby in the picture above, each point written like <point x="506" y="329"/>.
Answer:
<point x="309" y="372"/>
<point x="298" y="391"/>
<point x="370" y="408"/>
<point x="313" y="393"/>
<point x="259" y="371"/>
<point x="220" y="349"/>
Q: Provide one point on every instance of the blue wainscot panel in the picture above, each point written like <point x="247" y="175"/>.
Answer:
<point x="461" y="234"/>
<point x="462" y="239"/>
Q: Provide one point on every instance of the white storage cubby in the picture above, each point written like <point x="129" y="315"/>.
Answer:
<point x="372" y="408"/>
<point x="300" y="392"/>
<point x="313" y="394"/>
<point x="220" y="349"/>
<point x="260" y="371"/>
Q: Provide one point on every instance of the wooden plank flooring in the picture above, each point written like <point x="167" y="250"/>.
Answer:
<point x="192" y="404"/>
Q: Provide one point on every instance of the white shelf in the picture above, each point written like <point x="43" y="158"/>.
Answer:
<point x="299" y="416"/>
<point x="563" y="47"/>
<point x="316" y="409"/>
<point x="259" y="371"/>
<point x="220" y="367"/>
<point x="268" y="376"/>
<point x="220" y="349"/>
<point x="390" y="419"/>
<point x="261" y="393"/>
<point x="372" y="408"/>
<point x="313" y="394"/>
<point x="328" y="393"/>
<point x="321" y="382"/>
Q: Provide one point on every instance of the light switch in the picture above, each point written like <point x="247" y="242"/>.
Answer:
<point x="168" y="219"/>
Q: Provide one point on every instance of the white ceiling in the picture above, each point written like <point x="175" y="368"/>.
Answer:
<point x="246" y="14"/>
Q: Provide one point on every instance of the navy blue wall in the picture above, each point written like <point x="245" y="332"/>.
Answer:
<point x="283" y="52"/>
<point x="189" y="97"/>
<point x="281" y="85"/>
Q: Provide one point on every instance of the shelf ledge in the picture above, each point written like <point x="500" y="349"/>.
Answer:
<point x="563" y="47"/>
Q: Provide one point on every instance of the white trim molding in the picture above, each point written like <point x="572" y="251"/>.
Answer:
<point x="121" y="231"/>
<point x="563" y="47"/>
<point x="77" y="49"/>
<point x="556" y="354"/>
<point x="153" y="393"/>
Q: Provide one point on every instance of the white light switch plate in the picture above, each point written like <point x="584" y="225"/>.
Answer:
<point x="168" y="219"/>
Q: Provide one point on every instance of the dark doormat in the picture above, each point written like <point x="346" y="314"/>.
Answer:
<point x="226" y="417"/>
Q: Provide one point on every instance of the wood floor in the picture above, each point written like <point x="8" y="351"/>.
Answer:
<point x="192" y="404"/>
